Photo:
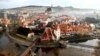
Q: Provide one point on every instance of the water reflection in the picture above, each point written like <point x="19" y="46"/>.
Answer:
<point x="1" y="35"/>
<point x="97" y="50"/>
<point x="88" y="46"/>
<point x="5" y="44"/>
<point x="3" y="40"/>
<point x="96" y="43"/>
<point x="6" y="47"/>
<point x="93" y="42"/>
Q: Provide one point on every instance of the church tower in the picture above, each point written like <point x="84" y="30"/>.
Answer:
<point x="49" y="9"/>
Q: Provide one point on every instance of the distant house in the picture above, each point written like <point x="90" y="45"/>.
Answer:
<point x="12" y="16"/>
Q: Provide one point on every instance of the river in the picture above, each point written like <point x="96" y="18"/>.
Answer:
<point x="7" y="48"/>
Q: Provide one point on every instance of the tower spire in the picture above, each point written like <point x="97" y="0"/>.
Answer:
<point x="5" y="15"/>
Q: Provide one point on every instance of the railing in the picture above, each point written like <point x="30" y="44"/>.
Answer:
<point x="26" y="52"/>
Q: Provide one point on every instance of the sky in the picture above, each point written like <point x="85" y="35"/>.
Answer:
<point x="89" y="4"/>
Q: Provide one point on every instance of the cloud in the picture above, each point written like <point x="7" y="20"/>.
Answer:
<point x="4" y="0"/>
<point x="92" y="4"/>
<point x="12" y="3"/>
<point x="75" y="3"/>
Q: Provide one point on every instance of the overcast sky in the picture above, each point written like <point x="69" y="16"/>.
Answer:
<point x="92" y="4"/>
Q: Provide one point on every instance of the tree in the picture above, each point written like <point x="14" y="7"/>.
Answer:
<point x="91" y="20"/>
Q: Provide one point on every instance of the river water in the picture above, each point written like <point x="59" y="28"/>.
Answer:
<point x="8" y="48"/>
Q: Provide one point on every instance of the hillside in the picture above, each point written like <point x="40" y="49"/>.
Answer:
<point x="76" y="12"/>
